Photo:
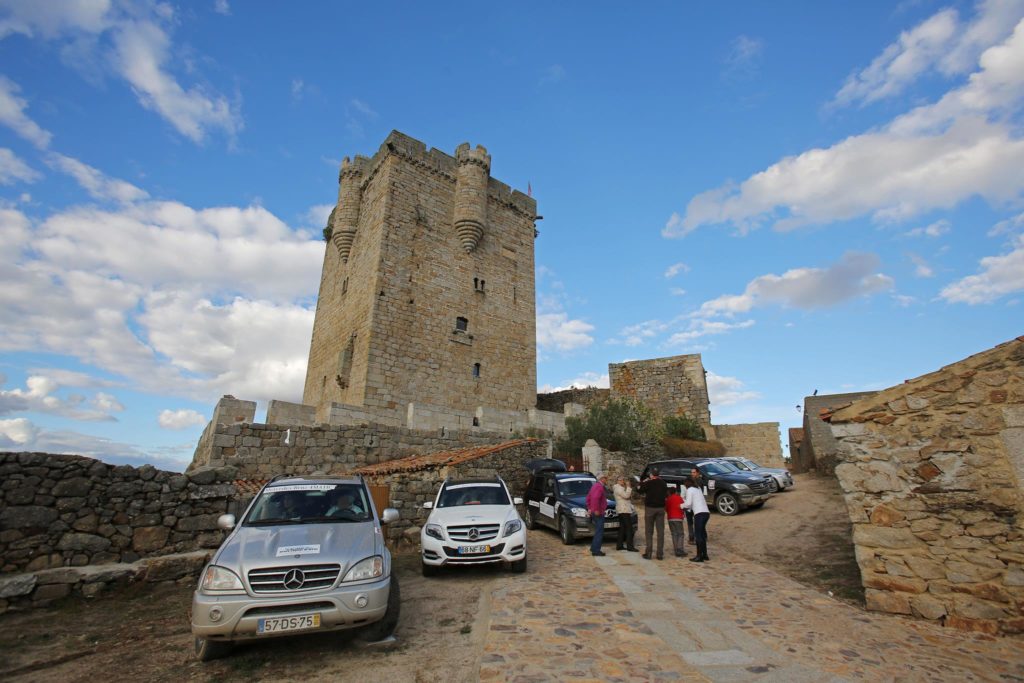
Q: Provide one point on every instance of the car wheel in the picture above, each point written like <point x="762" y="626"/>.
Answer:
<point x="519" y="566"/>
<point x="727" y="504"/>
<point x="386" y="626"/>
<point x="207" y="649"/>
<point x="429" y="569"/>
<point x="531" y="519"/>
<point x="773" y="485"/>
<point x="567" y="530"/>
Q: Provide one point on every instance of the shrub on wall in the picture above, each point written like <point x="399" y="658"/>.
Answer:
<point x="690" y="448"/>
<point x="683" y="427"/>
<point x="616" y="425"/>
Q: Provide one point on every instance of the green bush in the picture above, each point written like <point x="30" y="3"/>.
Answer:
<point x="690" y="448"/>
<point x="683" y="427"/>
<point x="616" y="425"/>
<point x="330" y="222"/>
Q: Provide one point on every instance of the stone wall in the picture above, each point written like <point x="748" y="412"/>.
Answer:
<point x="555" y="401"/>
<point x="409" y="489"/>
<point x="427" y="288"/>
<point x="932" y="474"/>
<point x="818" y="451"/>
<point x="758" y="441"/>
<point x="797" y="464"/>
<point x="69" y="510"/>
<point x="669" y="386"/>
<point x="260" y="451"/>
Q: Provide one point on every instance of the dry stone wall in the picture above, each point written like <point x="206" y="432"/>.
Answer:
<point x="668" y="386"/>
<point x="932" y="474"/>
<point x="69" y="510"/>
<point x="819" y="447"/>
<point x="758" y="441"/>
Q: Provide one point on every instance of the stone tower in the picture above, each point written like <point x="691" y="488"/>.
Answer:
<point x="427" y="290"/>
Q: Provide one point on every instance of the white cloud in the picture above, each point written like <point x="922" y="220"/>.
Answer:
<point x="933" y="157"/>
<point x="221" y="7"/>
<point x="675" y="269"/>
<point x="1008" y="226"/>
<point x="555" y="73"/>
<point x="726" y="391"/>
<point x="702" y="328"/>
<point x="744" y="56"/>
<point x="131" y="39"/>
<point x="13" y="169"/>
<point x="903" y="300"/>
<point x="677" y="291"/>
<point x="95" y="182"/>
<point x="363" y="108"/>
<point x="999" y="276"/>
<point x="557" y="331"/>
<point x="852" y="276"/>
<point x="17" y="433"/>
<point x="587" y="379"/>
<point x="921" y="267"/>
<point x="317" y="215"/>
<point x="39" y="396"/>
<point x="180" y="419"/>
<point x="936" y="229"/>
<point x="12" y="115"/>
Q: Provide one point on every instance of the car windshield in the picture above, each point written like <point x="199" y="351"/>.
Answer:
<point x="717" y="467"/>
<point x="751" y="464"/>
<point x="740" y="464"/>
<point x="310" y="504"/>
<point x="575" y="486"/>
<point x="454" y="495"/>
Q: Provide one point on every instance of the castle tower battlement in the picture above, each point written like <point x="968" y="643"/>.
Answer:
<point x="427" y="289"/>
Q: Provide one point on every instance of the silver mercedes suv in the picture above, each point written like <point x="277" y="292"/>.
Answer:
<point x="308" y="556"/>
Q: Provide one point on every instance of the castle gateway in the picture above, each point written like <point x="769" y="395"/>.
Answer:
<point x="427" y="290"/>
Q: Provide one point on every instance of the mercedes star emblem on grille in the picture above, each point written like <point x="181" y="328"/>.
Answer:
<point x="294" y="579"/>
<point x="473" y="533"/>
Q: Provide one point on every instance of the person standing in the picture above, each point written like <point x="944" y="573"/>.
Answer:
<point x="699" y="481"/>
<point x="696" y="503"/>
<point x="623" y="493"/>
<point x="676" y="519"/>
<point x="597" y="504"/>
<point x="655" y="491"/>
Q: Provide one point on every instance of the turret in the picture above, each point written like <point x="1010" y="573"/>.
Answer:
<point x="473" y="173"/>
<point x="346" y="217"/>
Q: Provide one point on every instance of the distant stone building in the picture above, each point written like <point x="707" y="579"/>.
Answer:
<point x="796" y="440"/>
<point x="427" y="290"/>
<point x="932" y="471"/>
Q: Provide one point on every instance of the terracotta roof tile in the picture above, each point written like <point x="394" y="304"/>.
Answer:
<point x="456" y="456"/>
<point x="250" y="486"/>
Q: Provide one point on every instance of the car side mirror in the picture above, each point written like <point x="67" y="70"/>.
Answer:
<point x="226" y="522"/>
<point x="429" y="505"/>
<point x="517" y="501"/>
<point x="390" y="515"/>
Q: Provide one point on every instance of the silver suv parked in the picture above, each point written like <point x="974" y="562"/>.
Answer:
<point x="781" y="478"/>
<point x="308" y="556"/>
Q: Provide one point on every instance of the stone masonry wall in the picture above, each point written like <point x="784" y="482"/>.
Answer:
<point x="69" y="510"/>
<point x="818" y="450"/>
<point x="932" y="474"/>
<point x="758" y="441"/>
<point x="669" y="386"/>
<point x="259" y="451"/>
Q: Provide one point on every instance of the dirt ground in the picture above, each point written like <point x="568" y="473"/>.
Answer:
<point x="142" y="632"/>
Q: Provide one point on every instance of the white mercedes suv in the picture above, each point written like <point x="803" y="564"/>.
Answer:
<point x="473" y="522"/>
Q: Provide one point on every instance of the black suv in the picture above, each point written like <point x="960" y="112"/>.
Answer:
<point x="725" y="486"/>
<point x="557" y="498"/>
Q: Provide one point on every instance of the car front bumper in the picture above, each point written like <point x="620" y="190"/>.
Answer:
<point x="239" y="614"/>
<point x="748" y="499"/>
<point x="443" y="553"/>
<point x="585" y="527"/>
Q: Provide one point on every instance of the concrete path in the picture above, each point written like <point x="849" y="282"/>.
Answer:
<point x="574" y="617"/>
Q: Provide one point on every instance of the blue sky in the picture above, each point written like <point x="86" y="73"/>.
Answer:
<point x="814" y="196"/>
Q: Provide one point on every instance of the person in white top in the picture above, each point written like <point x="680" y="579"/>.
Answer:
<point x="626" y="514"/>
<point x="696" y="504"/>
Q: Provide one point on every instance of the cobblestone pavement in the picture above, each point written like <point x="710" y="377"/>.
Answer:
<point x="574" y="617"/>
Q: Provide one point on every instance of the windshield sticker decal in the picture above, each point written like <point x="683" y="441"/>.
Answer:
<point x="298" y="550"/>
<point x="303" y="487"/>
<point x="577" y="479"/>
<point x="471" y="486"/>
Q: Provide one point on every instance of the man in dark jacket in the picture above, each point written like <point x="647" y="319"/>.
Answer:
<point x="655" y="492"/>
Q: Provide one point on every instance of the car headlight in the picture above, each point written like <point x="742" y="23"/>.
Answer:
<point x="512" y="527"/>
<point x="370" y="568"/>
<point x="580" y="512"/>
<point x="220" y="579"/>
<point x="434" y="531"/>
<point x="740" y="487"/>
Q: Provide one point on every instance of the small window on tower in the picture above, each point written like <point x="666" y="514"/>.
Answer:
<point x="461" y="324"/>
<point x="344" y="286"/>
<point x="476" y="370"/>
<point x="479" y="284"/>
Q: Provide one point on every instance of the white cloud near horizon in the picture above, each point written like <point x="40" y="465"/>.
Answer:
<point x="999" y="276"/>
<point x="39" y="396"/>
<point x="727" y="391"/>
<point x="937" y="229"/>
<point x="96" y="183"/>
<point x="587" y="379"/>
<point x="180" y="419"/>
<point x="934" y="156"/>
